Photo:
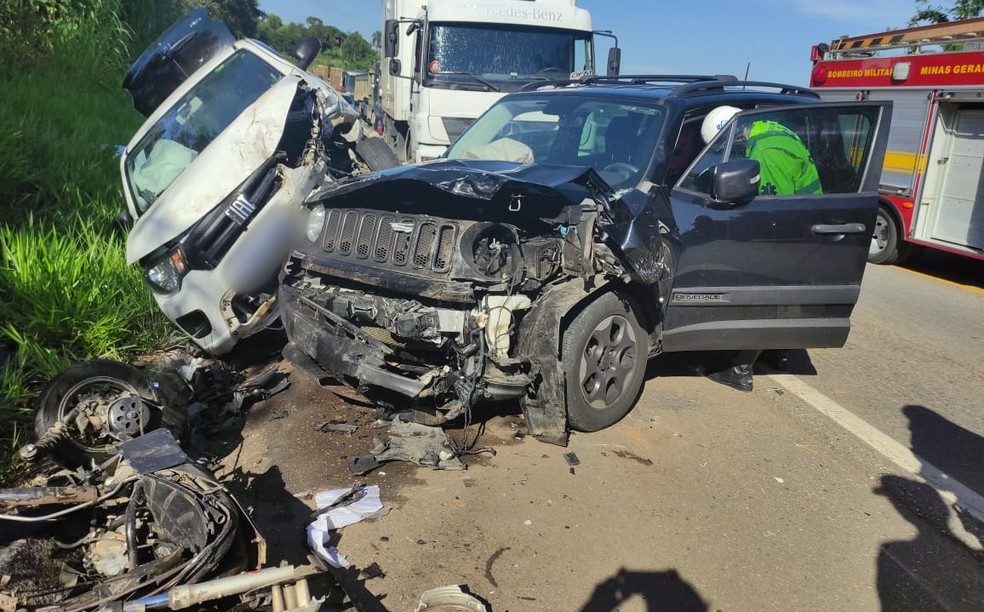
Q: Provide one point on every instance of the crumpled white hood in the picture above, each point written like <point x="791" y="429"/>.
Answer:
<point x="224" y="164"/>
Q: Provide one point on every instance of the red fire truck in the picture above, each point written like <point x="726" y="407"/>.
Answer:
<point x="932" y="181"/>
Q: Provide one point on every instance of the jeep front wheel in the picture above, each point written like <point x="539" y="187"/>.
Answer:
<point x="604" y="353"/>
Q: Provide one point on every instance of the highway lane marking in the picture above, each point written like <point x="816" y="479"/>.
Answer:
<point x="970" y="288"/>
<point x="952" y="491"/>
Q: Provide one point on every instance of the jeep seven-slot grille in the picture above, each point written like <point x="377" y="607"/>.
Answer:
<point x="386" y="238"/>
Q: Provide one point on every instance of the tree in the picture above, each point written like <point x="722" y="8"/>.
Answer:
<point x="356" y="50"/>
<point x="960" y="9"/>
<point x="241" y="16"/>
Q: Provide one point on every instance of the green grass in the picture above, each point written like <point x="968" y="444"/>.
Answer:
<point x="66" y="292"/>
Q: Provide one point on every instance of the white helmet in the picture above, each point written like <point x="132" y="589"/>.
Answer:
<point x="715" y="120"/>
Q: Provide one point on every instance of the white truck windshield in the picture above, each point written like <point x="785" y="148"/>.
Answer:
<point x="503" y="53"/>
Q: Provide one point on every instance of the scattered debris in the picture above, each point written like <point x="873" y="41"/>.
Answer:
<point x="90" y="408"/>
<point x="571" y="459"/>
<point x="339" y="508"/>
<point x="372" y="571"/>
<point x="157" y="522"/>
<point x="276" y="578"/>
<point x="452" y="597"/>
<point x="336" y="427"/>
<point x="421" y="444"/>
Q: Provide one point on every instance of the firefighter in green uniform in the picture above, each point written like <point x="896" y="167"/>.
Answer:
<point x="786" y="168"/>
<point x="786" y="165"/>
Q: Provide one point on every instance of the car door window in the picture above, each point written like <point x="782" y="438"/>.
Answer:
<point x="807" y="150"/>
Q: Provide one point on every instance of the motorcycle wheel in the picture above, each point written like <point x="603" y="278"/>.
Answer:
<point x="105" y="402"/>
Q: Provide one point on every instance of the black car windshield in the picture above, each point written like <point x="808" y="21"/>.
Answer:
<point x="615" y="138"/>
<point x="468" y="54"/>
<point x="193" y="122"/>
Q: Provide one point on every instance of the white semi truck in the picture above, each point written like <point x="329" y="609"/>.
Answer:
<point x="446" y="61"/>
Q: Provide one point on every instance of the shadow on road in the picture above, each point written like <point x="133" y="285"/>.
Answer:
<point x="662" y="591"/>
<point x="935" y="570"/>
<point x="956" y="451"/>
<point x="692" y="363"/>
<point x="953" y="268"/>
<point x="931" y="571"/>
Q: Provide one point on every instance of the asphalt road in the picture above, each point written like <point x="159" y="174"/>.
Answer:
<point x="848" y="483"/>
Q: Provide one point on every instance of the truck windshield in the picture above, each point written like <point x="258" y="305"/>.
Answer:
<point x="501" y="53"/>
<point x="615" y="138"/>
<point x="192" y="123"/>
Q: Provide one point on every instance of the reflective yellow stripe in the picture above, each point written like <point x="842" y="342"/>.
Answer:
<point x="903" y="163"/>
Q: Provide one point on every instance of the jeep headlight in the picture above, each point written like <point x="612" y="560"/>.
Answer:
<point x="315" y="221"/>
<point x="165" y="274"/>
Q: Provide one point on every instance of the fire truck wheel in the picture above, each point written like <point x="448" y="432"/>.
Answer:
<point x="884" y="248"/>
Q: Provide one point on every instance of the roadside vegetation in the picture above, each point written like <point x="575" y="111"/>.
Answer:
<point x="65" y="290"/>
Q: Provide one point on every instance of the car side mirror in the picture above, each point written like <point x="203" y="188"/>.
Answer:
<point x="124" y="219"/>
<point x="733" y="183"/>
<point x="394" y="67"/>
<point x="305" y="51"/>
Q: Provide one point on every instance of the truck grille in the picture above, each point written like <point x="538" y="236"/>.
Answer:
<point x="387" y="238"/>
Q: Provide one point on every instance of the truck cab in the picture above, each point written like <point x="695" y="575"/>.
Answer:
<point x="445" y="62"/>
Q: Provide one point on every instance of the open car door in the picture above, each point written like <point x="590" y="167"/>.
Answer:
<point x="756" y="268"/>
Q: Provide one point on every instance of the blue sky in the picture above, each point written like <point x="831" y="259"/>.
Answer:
<point x="695" y="37"/>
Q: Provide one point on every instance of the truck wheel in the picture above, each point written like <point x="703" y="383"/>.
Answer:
<point x="376" y="153"/>
<point x="604" y="353"/>
<point x="105" y="401"/>
<point x="884" y="248"/>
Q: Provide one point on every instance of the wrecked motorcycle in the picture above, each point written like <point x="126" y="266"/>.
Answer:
<point x="86" y="412"/>
<point x="147" y="522"/>
<point x="215" y="180"/>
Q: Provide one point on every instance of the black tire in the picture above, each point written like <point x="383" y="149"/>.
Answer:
<point x="115" y="391"/>
<point x="604" y="353"/>
<point x="885" y="240"/>
<point x="376" y="153"/>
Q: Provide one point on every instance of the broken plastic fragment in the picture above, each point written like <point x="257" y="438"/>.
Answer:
<point x="449" y="598"/>
<point x="343" y="428"/>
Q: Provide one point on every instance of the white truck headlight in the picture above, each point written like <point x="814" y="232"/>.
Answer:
<point x="315" y="221"/>
<point x="165" y="274"/>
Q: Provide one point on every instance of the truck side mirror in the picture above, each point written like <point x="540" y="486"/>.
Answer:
<point x="614" y="61"/>
<point x="391" y="38"/>
<point x="394" y="67"/>
<point x="305" y="51"/>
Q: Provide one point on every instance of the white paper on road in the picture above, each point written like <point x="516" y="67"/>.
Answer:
<point x="319" y="531"/>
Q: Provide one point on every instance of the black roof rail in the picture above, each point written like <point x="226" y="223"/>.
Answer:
<point x="709" y="87"/>
<point x="683" y="84"/>
<point x="632" y="79"/>
<point x="652" y="79"/>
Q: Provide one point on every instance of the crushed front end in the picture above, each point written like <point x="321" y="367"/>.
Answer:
<point x="429" y="288"/>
